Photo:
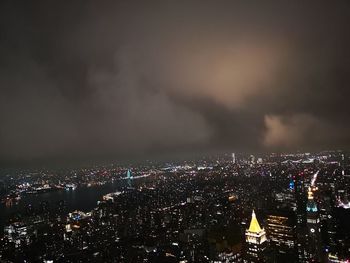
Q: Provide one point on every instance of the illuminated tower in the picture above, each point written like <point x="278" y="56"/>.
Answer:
<point x="255" y="240"/>
<point x="313" y="227"/>
<point x="301" y="230"/>
<point x="129" y="177"/>
<point x="233" y="158"/>
<point x="291" y="185"/>
<point x="251" y="159"/>
<point x="280" y="232"/>
<point x="128" y="174"/>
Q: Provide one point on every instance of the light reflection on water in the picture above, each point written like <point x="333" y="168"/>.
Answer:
<point x="82" y="198"/>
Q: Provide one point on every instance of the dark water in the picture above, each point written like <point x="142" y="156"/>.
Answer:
<point x="82" y="198"/>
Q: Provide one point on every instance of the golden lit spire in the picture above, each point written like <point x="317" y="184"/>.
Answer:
<point x="254" y="224"/>
<point x="310" y="194"/>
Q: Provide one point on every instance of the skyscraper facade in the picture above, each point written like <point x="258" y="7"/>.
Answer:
<point x="281" y="235"/>
<point x="313" y="227"/>
<point x="255" y="240"/>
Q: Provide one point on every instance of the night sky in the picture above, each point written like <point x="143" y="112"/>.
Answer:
<point x="89" y="79"/>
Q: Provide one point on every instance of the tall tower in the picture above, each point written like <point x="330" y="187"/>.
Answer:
<point x="129" y="178"/>
<point x="313" y="227"/>
<point x="251" y="159"/>
<point x="233" y="158"/>
<point x="291" y="185"/>
<point x="281" y="234"/>
<point x="128" y="174"/>
<point x="301" y="230"/>
<point x="256" y="241"/>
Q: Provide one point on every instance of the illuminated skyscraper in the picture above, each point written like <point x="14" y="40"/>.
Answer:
<point x="281" y="233"/>
<point x="251" y="159"/>
<point x="313" y="227"/>
<point x="255" y="240"/>
<point x="291" y="185"/>
<point x="129" y="178"/>
<point x="128" y="174"/>
<point x="233" y="158"/>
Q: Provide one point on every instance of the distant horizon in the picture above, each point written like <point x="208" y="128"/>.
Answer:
<point x="89" y="163"/>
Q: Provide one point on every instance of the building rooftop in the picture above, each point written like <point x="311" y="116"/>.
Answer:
<point x="254" y="224"/>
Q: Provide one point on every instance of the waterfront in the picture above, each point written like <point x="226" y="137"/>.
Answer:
<point x="83" y="198"/>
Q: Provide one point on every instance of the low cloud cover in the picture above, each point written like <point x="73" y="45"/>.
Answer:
<point x="87" y="79"/>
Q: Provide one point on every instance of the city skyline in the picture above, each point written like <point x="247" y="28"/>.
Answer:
<point x="266" y="208"/>
<point x="166" y="131"/>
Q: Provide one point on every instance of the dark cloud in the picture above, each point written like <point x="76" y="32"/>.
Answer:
<point x="296" y="130"/>
<point x="124" y="79"/>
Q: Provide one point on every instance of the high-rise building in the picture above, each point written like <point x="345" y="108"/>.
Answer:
<point x="313" y="227"/>
<point x="281" y="233"/>
<point x="251" y="159"/>
<point x="233" y="158"/>
<point x="256" y="241"/>
<point x="129" y="178"/>
<point x="291" y="185"/>
<point x="299" y="190"/>
<point x="128" y="174"/>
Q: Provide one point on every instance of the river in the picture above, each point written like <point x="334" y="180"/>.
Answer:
<point x="83" y="198"/>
